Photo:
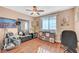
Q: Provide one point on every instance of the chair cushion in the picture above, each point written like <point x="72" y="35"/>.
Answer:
<point x="9" y="46"/>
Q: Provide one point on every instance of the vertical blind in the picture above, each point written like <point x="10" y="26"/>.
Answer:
<point x="21" y="26"/>
<point x="27" y="26"/>
<point x="48" y="23"/>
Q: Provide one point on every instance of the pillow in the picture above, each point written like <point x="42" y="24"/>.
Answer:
<point x="47" y="34"/>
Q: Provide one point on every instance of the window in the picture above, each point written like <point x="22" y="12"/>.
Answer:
<point x="52" y="23"/>
<point x="24" y="26"/>
<point x="45" y="24"/>
<point x="48" y="23"/>
<point x="27" y="26"/>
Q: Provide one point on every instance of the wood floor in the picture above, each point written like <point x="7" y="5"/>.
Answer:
<point x="32" y="46"/>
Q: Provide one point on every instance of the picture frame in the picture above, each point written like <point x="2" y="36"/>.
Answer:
<point x="7" y="23"/>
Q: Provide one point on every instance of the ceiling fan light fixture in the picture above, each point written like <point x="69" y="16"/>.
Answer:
<point x="35" y="11"/>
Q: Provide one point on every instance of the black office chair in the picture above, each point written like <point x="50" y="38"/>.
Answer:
<point x="69" y="41"/>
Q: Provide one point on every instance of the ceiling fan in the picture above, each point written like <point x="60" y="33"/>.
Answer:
<point x="35" y="10"/>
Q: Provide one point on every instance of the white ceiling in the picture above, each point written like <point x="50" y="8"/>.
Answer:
<point x="47" y="9"/>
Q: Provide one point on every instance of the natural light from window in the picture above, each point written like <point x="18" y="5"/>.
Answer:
<point x="27" y="25"/>
<point x="48" y="23"/>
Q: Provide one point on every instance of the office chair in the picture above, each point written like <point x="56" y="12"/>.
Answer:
<point x="69" y="41"/>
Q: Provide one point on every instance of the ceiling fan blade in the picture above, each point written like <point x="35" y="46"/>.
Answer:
<point x="28" y="10"/>
<point x="40" y="10"/>
<point x="31" y="14"/>
<point x="38" y="13"/>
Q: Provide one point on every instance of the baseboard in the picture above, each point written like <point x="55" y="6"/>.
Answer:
<point x="58" y="41"/>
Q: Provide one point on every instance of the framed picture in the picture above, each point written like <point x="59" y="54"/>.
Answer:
<point x="7" y="23"/>
<point x="65" y="21"/>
